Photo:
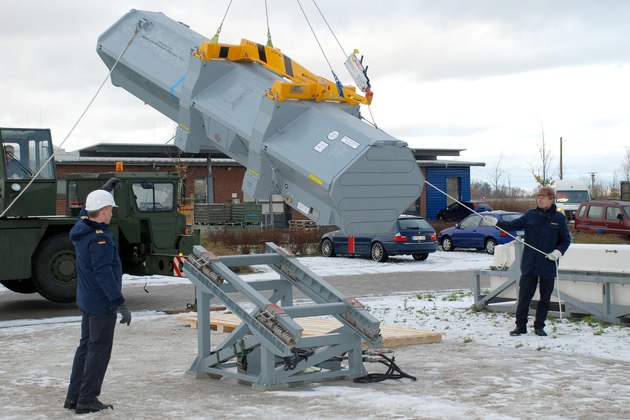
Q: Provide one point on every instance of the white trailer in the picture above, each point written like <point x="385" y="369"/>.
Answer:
<point x="593" y="279"/>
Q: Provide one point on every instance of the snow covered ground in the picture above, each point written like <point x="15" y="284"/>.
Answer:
<point x="580" y="371"/>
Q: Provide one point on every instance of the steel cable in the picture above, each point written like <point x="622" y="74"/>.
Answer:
<point x="138" y="26"/>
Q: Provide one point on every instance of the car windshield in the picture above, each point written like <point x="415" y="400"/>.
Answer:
<point x="470" y="221"/>
<point x="414" y="224"/>
<point x="627" y="209"/>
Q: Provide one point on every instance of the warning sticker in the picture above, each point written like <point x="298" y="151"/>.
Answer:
<point x="321" y="146"/>
<point x="303" y="208"/>
<point x="178" y="266"/>
<point x="352" y="143"/>
<point x="333" y="135"/>
<point x="315" y="179"/>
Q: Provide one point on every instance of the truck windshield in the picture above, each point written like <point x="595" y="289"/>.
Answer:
<point x="25" y="152"/>
<point x="154" y="196"/>
<point x="571" y="196"/>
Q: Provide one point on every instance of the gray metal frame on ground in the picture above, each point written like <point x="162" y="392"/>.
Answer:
<point x="264" y="349"/>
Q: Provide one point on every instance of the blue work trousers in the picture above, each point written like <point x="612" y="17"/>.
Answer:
<point x="527" y="288"/>
<point x="91" y="357"/>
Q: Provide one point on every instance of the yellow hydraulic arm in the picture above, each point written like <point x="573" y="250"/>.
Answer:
<point x="303" y="84"/>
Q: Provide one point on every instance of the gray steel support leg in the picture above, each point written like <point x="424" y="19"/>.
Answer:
<point x="267" y="377"/>
<point x="203" y="331"/>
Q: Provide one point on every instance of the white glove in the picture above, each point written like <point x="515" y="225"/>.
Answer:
<point x="491" y="221"/>
<point x="555" y="255"/>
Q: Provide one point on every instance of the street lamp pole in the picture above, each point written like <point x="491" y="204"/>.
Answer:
<point x="593" y="182"/>
<point x="560" y="157"/>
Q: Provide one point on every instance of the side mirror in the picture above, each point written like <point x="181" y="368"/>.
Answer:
<point x="620" y="217"/>
<point x="457" y="226"/>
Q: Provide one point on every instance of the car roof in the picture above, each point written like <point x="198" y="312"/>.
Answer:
<point x="622" y="203"/>
<point x="409" y="216"/>
<point x="489" y="213"/>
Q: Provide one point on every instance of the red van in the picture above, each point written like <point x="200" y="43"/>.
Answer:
<point x="603" y="216"/>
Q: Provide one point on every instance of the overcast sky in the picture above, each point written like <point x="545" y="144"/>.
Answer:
<point x="486" y="76"/>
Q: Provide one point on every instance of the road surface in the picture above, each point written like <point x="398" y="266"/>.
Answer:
<point x="14" y="306"/>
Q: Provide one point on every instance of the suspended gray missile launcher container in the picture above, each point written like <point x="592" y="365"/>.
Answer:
<point x="297" y="136"/>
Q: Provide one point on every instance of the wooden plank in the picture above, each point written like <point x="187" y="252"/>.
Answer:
<point x="392" y="336"/>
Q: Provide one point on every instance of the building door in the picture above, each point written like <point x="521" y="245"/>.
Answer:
<point x="453" y="189"/>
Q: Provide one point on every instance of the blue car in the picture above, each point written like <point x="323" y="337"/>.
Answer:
<point x="478" y="232"/>
<point x="411" y="235"/>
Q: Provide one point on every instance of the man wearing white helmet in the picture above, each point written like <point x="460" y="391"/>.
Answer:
<point x="99" y="296"/>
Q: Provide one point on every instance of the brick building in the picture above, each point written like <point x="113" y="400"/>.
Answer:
<point x="216" y="178"/>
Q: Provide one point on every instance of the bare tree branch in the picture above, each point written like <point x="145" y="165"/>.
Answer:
<point x="542" y="172"/>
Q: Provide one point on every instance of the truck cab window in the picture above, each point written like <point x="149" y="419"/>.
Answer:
<point x="154" y="196"/>
<point x="25" y="152"/>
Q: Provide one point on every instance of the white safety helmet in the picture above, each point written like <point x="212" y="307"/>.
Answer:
<point x="98" y="199"/>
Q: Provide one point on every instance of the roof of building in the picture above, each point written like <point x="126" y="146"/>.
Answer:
<point x="165" y="153"/>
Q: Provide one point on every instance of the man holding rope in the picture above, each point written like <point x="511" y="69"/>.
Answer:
<point x="547" y="238"/>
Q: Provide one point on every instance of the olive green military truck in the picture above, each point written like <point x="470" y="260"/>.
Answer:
<point x="36" y="253"/>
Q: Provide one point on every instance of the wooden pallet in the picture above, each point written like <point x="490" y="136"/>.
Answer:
<point x="392" y="336"/>
<point x="305" y="225"/>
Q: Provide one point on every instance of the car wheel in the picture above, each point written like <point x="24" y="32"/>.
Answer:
<point x="447" y="244"/>
<point x="490" y="245"/>
<point x="327" y="248"/>
<point x="420" y="257"/>
<point x="378" y="252"/>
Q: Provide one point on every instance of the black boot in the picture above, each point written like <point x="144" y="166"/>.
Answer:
<point x="539" y="331"/>
<point x="92" y="407"/>
<point x="70" y="404"/>
<point x="518" y="331"/>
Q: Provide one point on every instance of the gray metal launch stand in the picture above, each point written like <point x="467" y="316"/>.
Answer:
<point x="267" y="349"/>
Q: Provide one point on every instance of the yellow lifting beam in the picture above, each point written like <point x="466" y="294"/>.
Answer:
<point x="304" y="85"/>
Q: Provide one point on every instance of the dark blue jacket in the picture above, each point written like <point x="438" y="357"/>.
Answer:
<point x="545" y="231"/>
<point x="98" y="267"/>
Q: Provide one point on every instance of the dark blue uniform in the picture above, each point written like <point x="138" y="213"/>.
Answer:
<point x="98" y="296"/>
<point x="546" y="231"/>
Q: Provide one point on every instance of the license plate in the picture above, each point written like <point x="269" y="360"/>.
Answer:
<point x="520" y="233"/>
<point x="419" y="238"/>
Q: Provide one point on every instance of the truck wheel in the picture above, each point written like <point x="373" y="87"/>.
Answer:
<point x="54" y="269"/>
<point x="20" y="286"/>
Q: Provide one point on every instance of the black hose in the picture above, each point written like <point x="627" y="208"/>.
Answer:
<point x="393" y="372"/>
<point x="291" y="362"/>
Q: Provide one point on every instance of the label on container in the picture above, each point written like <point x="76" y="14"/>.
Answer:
<point x="321" y="146"/>
<point x="348" y="141"/>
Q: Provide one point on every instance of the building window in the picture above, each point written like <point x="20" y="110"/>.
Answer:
<point x="201" y="191"/>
